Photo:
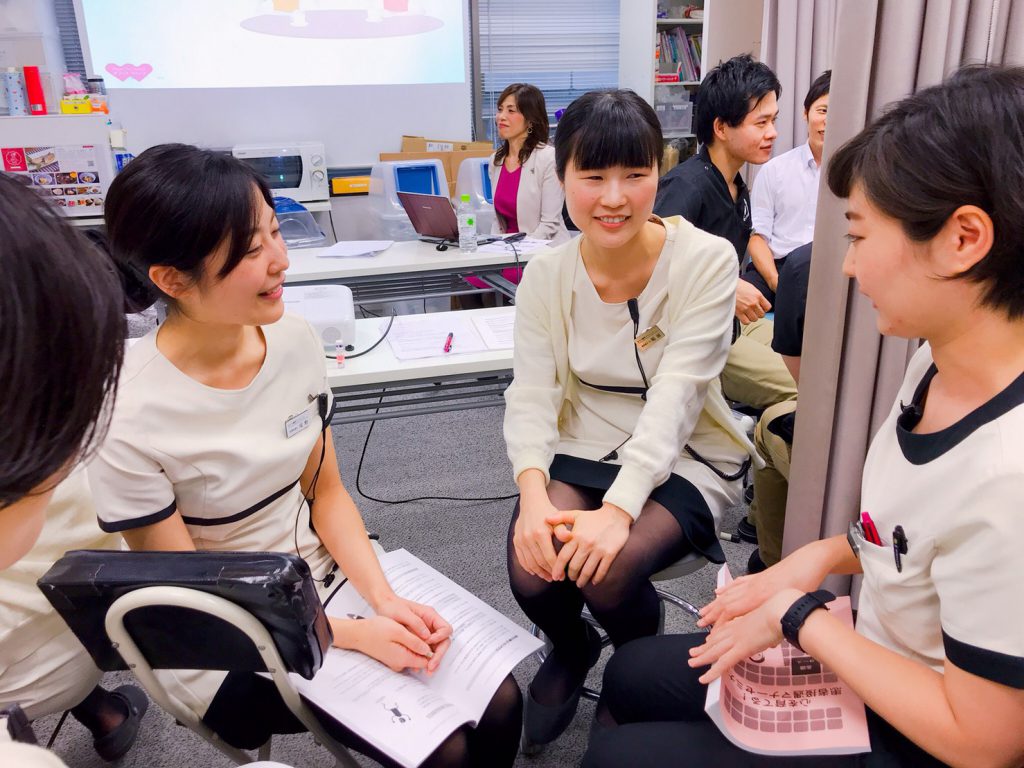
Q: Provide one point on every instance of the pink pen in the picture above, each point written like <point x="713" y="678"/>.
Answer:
<point x="448" y="342"/>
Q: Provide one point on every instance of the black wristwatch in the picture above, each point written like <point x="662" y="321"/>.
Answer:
<point x="798" y="612"/>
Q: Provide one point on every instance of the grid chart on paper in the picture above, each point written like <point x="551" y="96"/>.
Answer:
<point x="789" y="719"/>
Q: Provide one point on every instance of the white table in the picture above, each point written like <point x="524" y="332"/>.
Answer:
<point x="415" y="387"/>
<point x="405" y="271"/>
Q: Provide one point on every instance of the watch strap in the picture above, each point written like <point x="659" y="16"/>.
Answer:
<point x="798" y="612"/>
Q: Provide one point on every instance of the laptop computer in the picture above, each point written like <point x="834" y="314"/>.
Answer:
<point x="433" y="218"/>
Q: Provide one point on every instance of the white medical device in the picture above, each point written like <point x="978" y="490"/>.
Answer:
<point x="328" y="308"/>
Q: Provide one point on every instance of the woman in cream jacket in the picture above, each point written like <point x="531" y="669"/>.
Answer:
<point x="625" y="453"/>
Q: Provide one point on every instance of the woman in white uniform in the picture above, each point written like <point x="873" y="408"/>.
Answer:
<point x="615" y="422"/>
<point x="936" y="231"/>
<point x="220" y="440"/>
<point x="61" y="344"/>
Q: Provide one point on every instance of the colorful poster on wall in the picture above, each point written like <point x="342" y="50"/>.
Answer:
<point x="68" y="174"/>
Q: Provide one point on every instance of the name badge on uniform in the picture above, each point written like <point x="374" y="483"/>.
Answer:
<point x="651" y="336"/>
<point x="297" y="423"/>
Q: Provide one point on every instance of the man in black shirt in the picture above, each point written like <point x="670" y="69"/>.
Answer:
<point x="737" y="105"/>
<point x="774" y="434"/>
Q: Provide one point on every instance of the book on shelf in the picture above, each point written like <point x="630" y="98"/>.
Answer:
<point x="681" y="52"/>
<point x="784" y="702"/>
<point x="667" y="77"/>
<point x="407" y="715"/>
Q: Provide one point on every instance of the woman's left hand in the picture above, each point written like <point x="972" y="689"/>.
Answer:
<point x="423" y="621"/>
<point x="590" y="548"/>
<point x="732" y="641"/>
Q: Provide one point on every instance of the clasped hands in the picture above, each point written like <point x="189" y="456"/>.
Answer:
<point x="590" y="540"/>
<point x="403" y="635"/>
<point x="746" y="618"/>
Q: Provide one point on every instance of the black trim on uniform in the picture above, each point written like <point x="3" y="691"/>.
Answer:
<point x="677" y="494"/>
<point x="117" y="526"/>
<point x="991" y="665"/>
<point x="205" y="521"/>
<point x="920" y="449"/>
<point x="616" y="390"/>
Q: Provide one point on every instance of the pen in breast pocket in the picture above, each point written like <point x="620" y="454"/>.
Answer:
<point x="870" y="531"/>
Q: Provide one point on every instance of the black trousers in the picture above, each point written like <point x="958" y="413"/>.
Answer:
<point x="657" y="703"/>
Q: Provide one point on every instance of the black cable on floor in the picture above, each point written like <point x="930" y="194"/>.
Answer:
<point x="359" y="475"/>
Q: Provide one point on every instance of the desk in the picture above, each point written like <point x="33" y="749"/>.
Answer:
<point x="405" y="271"/>
<point x="449" y="383"/>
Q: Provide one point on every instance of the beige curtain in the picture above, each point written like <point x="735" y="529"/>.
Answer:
<point x="884" y="50"/>
<point x="798" y="43"/>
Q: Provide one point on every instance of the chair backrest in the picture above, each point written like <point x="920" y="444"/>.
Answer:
<point x="275" y="588"/>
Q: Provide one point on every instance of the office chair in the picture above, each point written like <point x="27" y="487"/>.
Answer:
<point x="257" y="611"/>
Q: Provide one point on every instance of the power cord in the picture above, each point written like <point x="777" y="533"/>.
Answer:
<point x="364" y="494"/>
<point x="373" y="346"/>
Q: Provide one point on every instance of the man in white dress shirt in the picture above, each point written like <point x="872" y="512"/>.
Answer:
<point x="785" y="196"/>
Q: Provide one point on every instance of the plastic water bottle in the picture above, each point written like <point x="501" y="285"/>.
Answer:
<point x="467" y="225"/>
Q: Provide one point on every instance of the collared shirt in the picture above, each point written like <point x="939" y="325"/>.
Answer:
<point x="784" y="198"/>
<point x="696" y="190"/>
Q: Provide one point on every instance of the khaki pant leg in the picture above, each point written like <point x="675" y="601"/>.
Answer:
<point x="754" y="373"/>
<point x="771" y="484"/>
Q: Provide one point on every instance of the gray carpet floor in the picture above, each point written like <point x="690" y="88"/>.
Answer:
<point x="454" y="454"/>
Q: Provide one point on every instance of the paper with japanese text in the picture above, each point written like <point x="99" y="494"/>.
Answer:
<point x="783" y="702"/>
<point x="408" y="715"/>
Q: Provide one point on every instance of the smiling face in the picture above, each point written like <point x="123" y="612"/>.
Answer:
<point x="898" y="275"/>
<point x="752" y="140"/>
<point x="610" y="205"/>
<point x="817" y="117"/>
<point x="251" y="294"/>
<point x="510" y="121"/>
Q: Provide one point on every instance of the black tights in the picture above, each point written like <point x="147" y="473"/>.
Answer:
<point x="247" y="710"/>
<point x="624" y="603"/>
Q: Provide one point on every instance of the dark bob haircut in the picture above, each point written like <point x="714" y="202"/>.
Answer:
<point x="173" y="206"/>
<point x="954" y="144"/>
<point x="602" y="129"/>
<point x="530" y="103"/>
<point x="729" y="92"/>
<point x="821" y="86"/>
<point x="62" y="335"/>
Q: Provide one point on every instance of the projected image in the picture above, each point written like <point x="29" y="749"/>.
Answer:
<point x="267" y="43"/>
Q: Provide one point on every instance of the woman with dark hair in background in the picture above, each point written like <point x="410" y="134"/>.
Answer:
<point x="936" y="231"/>
<point x="615" y="421"/>
<point x="61" y="344"/>
<point x="208" y="448"/>
<point x="527" y="194"/>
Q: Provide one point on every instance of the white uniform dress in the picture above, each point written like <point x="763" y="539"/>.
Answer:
<point x="222" y="458"/>
<point x="957" y="496"/>
<point x="43" y="667"/>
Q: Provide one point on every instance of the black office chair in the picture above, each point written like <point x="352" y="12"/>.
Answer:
<point x="229" y="611"/>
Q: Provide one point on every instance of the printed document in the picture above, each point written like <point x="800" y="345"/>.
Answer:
<point x="417" y="336"/>
<point x="408" y="715"/>
<point x="496" y="328"/>
<point x="347" y="249"/>
<point x="784" y="702"/>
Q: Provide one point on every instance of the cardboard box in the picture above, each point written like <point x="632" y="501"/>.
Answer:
<point x="421" y="144"/>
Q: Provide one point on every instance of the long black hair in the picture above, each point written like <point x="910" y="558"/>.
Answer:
<point x="62" y="332"/>
<point x="530" y="103"/>
<point x="174" y="205"/>
<point x="958" y="143"/>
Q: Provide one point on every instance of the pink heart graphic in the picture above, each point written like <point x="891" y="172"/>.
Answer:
<point x="123" y="71"/>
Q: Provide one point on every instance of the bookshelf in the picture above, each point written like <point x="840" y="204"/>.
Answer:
<point x="727" y="28"/>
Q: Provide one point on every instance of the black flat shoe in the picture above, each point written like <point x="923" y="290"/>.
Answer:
<point x="755" y="564"/>
<point x="543" y="723"/>
<point x="116" y="744"/>
<point x="747" y="531"/>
